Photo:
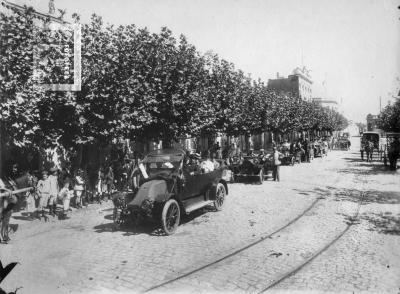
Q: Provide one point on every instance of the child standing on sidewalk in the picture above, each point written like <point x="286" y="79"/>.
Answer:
<point x="65" y="196"/>
<point x="43" y="190"/>
<point x="79" y="188"/>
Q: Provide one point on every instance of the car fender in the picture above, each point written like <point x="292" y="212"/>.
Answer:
<point x="153" y="191"/>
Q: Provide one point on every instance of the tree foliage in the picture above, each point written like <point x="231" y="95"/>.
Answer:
<point x="389" y="118"/>
<point x="138" y="84"/>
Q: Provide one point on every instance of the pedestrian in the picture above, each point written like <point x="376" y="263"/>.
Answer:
<point x="65" y="196"/>
<point x="54" y="189"/>
<point x="307" y="148"/>
<point x="78" y="188"/>
<point x="276" y="156"/>
<point x="100" y="186"/>
<point x="43" y="192"/>
<point x="110" y="181"/>
<point x="394" y="153"/>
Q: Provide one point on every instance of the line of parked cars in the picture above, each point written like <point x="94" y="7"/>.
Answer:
<point x="172" y="185"/>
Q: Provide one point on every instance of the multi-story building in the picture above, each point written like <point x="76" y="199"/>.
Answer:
<point x="372" y="122"/>
<point x="331" y="104"/>
<point x="298" y="84"/>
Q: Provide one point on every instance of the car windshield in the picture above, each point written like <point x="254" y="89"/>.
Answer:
<point x="162" y="164"/>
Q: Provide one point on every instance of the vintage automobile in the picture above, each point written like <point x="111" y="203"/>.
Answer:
<point x="342" y="143"/>
<point x="171" y="185"/>
<point x="288" y="157"/>
<point x="318" y="150"/>
<point x="255" y="166"/>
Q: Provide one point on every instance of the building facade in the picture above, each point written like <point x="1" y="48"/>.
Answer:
<point x="331" y="104"/>
<point x="299" y="84"/>
<point x="372" y="123"/>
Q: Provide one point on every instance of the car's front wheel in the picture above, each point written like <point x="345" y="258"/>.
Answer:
<point x="170" y="216"/>
<point x="219" y="197"/>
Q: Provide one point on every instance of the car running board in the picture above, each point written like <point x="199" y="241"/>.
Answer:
<point x="197" y="205"/>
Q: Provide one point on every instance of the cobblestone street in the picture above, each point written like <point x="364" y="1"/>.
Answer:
<point x="311" y="206"/>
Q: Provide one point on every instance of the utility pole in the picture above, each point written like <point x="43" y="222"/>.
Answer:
<point x="380" y="104"/>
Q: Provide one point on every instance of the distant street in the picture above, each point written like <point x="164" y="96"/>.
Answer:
<point x="329" y="225"/>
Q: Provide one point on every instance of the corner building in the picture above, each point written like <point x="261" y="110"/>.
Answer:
<point x="298" y="84"/>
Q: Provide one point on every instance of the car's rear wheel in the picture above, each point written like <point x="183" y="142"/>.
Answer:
<point x="170" y="216"/>
<point x="219" y="197"/>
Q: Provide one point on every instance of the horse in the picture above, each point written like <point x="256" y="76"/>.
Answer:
<point x="369" y="149"/>
<point x="14" y="196"/>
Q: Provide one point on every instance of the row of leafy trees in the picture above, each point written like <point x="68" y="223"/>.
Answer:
<point x="389" y="118"/>
<point x="137" y="84"/>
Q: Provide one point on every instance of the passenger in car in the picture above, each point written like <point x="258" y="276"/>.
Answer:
<point x="207" y="165"/>
<point x="214" y="161"/>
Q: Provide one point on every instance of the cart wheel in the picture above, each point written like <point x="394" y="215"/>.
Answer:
<point x="261" y="177"/>
<point x="219" y="197"/>
<point x="170" y="216"/>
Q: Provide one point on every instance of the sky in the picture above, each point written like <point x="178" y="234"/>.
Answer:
<point x="351" y="47"/>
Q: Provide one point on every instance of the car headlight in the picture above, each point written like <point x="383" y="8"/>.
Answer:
<point x="147" y="205"/>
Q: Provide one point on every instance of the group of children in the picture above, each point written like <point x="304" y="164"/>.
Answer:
<point x="48" y="193"/>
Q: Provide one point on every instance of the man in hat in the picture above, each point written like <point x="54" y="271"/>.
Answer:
<point x="276" y="156"/>
<point x="54" y="189"/>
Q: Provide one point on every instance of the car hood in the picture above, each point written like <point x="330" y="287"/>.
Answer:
<point x="153" y="190"/>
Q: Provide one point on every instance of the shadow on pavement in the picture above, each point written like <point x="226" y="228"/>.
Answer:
<point x="26" y="216"/>
<point x="321" y="193"/>
<point x="352" y="159"/>
<point x="354" y="195"/>
<point x="152" y="227"/>
<point x="370" y="196"/>
<point x="384" y="223"/>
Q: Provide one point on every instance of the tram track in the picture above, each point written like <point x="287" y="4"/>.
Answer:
<point x="269" y="236"/>
<point x="317" y="253"/>
<point x="237" y="251"/>
<point x="264" y="238"/>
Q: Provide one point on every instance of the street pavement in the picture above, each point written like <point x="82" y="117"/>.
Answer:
<point x="84" y="254"/>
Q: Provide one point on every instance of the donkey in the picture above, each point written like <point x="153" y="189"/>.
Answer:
<point x="9" y="198"/>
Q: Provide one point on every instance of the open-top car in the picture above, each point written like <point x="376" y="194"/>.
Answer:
<point x="173" y="184"/>
<point x="254" y="166"/>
